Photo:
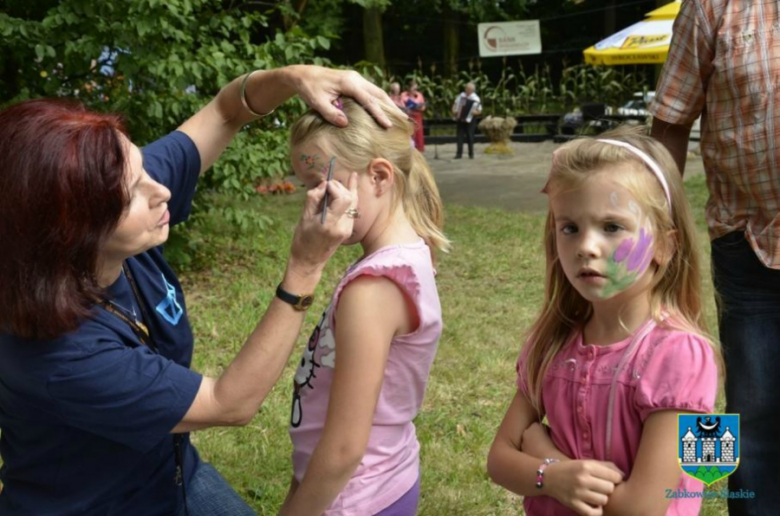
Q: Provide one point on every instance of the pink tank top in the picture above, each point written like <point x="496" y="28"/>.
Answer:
<point x="390" y="465"/>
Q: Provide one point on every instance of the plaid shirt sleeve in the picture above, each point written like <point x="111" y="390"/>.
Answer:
<point x="680" y="95"/>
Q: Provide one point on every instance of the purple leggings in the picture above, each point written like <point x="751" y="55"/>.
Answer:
<point x="406" y="505"/>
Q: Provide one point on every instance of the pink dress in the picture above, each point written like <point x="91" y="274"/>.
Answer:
<point x="668" y="370"/>
<point x="391" y="463"/>
<point x="416" y="115"/>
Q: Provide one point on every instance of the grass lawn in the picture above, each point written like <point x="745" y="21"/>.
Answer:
<point x="490" y="286"/>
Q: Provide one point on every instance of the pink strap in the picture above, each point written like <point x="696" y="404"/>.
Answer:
<point x="640" y="334"/>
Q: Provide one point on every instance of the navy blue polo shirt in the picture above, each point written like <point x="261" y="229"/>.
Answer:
<point x="86" y="418"/>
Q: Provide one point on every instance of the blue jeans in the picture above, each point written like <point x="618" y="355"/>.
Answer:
<point x="749" y="321"/>
<point x="208" y="494"/>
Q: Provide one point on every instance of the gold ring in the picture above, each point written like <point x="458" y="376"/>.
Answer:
<point x="353" y="213"/>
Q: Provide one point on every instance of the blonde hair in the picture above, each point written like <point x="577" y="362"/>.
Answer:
<point x="362" y="141"/>
<point x="676" y="287"/>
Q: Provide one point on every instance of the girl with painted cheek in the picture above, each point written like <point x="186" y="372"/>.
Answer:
<point x="363" y="373"/>
<point x="619" y="347"/>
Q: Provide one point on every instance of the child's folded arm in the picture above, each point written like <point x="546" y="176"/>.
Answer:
<point x="536" y="442"/>
<point x="507" y="465"/>
<point x="655" y="470"/>
<point x="577" y="484"/>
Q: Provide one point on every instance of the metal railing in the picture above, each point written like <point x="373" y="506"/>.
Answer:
<point x="529" y="128"/>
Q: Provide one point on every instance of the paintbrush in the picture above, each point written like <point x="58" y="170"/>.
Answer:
<point x="325" y="198"/>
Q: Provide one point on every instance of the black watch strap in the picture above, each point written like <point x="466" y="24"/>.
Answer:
<point x="299" y="302"/>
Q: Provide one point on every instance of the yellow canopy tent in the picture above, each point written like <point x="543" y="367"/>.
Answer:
<point x="646" y="42"/>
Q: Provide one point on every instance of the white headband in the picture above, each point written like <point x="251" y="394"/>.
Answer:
<point x="651" y="164"/>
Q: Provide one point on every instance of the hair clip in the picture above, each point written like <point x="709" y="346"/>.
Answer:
<point x="338" y="103"/>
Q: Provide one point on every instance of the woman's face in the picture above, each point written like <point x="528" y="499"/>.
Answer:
<point x="145" y="221"/>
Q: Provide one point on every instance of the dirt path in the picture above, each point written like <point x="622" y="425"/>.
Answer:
<point x="509" y="182"/>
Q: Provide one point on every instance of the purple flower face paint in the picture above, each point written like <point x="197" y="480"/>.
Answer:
<point x="623" y="249"/>
<point x="639" y="252"/>
<point x="628" y="263"/>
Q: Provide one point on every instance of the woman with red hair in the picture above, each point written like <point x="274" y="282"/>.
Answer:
<point x="96" y="395"/>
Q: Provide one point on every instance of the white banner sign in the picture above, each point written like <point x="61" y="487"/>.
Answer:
<point x="509" y="38"/>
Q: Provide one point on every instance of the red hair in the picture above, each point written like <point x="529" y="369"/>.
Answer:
<point x="62" y="193"/>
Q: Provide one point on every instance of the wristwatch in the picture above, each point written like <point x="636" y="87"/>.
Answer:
<point x="300" y="303"/>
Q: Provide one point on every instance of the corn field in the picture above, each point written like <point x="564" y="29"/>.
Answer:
<point x="520" y="91"/>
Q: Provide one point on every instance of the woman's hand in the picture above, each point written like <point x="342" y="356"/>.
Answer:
<point x="314" y="241"/>
<point x="319" y="87"/>
<point x="583" y="486"/>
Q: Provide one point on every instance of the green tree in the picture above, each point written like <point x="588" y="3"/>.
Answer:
<point x="158" y="62"/>
<point x="373" y="35"/>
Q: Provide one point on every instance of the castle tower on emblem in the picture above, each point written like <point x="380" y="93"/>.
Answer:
<point x="727" y="446"/>
<point x="708" y="450"/>
<point x="689" y="446"/>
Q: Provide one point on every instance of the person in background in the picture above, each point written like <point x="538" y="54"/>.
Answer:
<point x="395" y="96"/>
<point x="466" y="108"/>
<point x="723" y="65"/>
<point x="414" y="102"/>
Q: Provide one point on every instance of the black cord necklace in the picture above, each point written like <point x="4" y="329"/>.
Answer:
<point x="139" y="328"/>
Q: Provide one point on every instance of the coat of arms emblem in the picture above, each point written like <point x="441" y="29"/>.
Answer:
<point x="708" y="445"/>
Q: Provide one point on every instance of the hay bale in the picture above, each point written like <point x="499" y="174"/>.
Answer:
<point x="498" y="130"/>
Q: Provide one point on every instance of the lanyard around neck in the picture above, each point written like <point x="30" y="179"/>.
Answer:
<point x="139" y="328"/>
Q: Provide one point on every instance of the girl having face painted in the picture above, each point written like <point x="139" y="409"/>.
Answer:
<point x="363" y="373"/>
<point x="619" y="347"/>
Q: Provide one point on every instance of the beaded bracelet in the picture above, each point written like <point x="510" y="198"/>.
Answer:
<point x="540" y="472"/>
<point x="243" y="97"/>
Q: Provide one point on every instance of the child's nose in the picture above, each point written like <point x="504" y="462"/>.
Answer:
<point x="589" y="246"/>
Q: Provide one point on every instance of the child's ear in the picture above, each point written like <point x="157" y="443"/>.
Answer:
<point x="667" y="246"/>
<point x="381" y="175"/>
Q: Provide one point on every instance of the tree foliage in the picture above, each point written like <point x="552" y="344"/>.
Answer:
<point x="157" y="62"/>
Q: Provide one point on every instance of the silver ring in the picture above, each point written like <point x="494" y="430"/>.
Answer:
<point x="353" y="213"/>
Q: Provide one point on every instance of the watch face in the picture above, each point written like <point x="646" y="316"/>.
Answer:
<point x="307" y="301"/>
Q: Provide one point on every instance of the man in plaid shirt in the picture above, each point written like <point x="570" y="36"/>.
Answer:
<point x="724" y="64"/>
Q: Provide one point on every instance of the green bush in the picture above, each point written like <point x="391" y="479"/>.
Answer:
<point x="158" y="62"/>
